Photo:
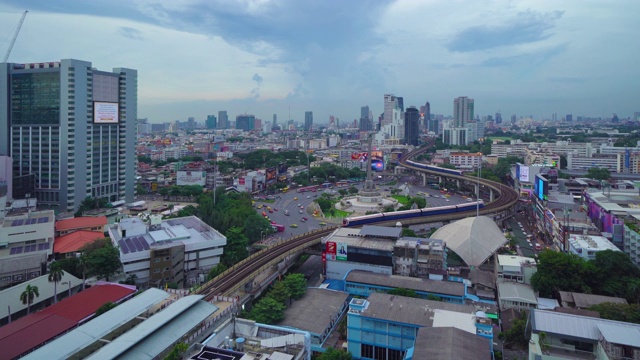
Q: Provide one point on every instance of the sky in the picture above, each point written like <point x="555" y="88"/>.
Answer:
<point x="285" y="57"/>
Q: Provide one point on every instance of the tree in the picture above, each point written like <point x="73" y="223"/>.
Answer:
<point x="353" y="190"/>
<point x="216" y="270"/>
<point x="619" y="312"/>
<point x="297" y="285"/>
<point x="267" y="311"/>
<point x="28" y="295"/>
<point x="599" y="173"/>
<point x="280" y="292"/>
<point x="144" y="159"/>
<point x="408" y="232"/>
<point x="403" y="292"/>
<point x="236" y="248"/>
<point x="55" y="276"/>
<point x="333" y="354"/>
<point x="104" y="308"/>
<point x="177" y="351"/>
<point x="515" y="335"/>
<point x="343" y="192"/>
<point x="104" y="262"/>
<point x="561" y="271"/>
<point x="256" y="225"/>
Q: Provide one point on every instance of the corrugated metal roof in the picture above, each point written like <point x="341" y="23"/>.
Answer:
<point x="81" y="222"/>
<point x="382" y="231"/>
<point x="521" y="292"/>
<point x="458" y="320"/>
<point x="581" y="327"/>
<point x="81" y="337"/>
<point x="314" y="312"/>
<point x="613" y="334"/>
<point x="154" y="335"/>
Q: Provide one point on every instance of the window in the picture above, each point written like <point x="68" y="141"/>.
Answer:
<point x="366" y="350"/>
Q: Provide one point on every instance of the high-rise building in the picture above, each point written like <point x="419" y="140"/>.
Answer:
<point x="462" y="111"/>
<point x="308" y="120"/>
<point x="390" y="104"/>
<point x="411" y="126"/>
<point x="143" y="126"/>
<point x="275" y="120"/>
<point x="636" y="116"/>
<point x="72" y="127"/>
<point x="426" y="111"/>
<point x="245" y="122"/>
<point x="223" y="120"/>
<point x="400" y="100"/>
<point x="365" y="123"/>
<point x="364" y="112"/>
<point x="212" y="122"/>
<point x="569" y="117"/>
<point x="498" y="118"/>
<point x="513" y="119"/>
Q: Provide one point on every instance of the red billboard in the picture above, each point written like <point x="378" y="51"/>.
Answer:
<point x="331" y="247"/>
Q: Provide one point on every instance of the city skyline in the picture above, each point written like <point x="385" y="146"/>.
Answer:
<point x="266" y="57"/>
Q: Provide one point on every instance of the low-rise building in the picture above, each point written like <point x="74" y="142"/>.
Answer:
<point x="87" y="223"/>
<point x="167" y="251"/>
<point x="586" y="246"/>
<point x="517" y="296"/>
<point x="465" y="161"/>
<point x="416" y="256"/>
<point x="584" y="301"/>
<point x="515" y="268"/>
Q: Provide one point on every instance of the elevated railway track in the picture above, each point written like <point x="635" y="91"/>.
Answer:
<point x="237" y="277"/>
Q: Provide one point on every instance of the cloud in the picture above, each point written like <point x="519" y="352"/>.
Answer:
<point x="526" y="27"/>
<point x="527" y="59"/>
<point x="130" y="33"/>
<point x="255" y="93"/>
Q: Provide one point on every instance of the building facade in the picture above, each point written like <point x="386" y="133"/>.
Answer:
<point x="73" y="127"/>
<point x="308" y="120"/>
<point x="245" y="122"/>
<point x="462" y="111"/>
<point x="223" y="119"/>
<point x="411" y="126"/>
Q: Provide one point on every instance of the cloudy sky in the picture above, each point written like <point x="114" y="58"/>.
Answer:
<point x="265" y="57"/>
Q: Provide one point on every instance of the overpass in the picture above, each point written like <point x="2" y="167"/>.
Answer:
<point x="240" y="277"/>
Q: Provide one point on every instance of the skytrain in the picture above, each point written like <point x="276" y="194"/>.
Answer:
<point x="408" y="214"/>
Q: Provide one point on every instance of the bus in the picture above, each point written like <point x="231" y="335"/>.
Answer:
<point x="326" y="185"/>
<point x="342" y="183"/>
<point x="285" y="189"/>
<point x="313" y="188"/>
<point x="278" y="227"/>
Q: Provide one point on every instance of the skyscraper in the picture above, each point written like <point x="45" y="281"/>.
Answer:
<point x="411" y="126"/>
<point x="462" y="111"/>
<point x="223" y="120"/>
<point x="400" y="100"/>
<point x="426" y="110"/>
<point x="498" y="118"/>
<point x="73" y="127"/>
<point x="212" y="122"/>
<point x="245" y="122"/>
<point x="308" y="120"/>
<point x="275" y="120"/>
<point x="390" y="104"/>
<point x="569" y="117"/>
<point x="513" y="119"/>
<point x="365" y="123"/>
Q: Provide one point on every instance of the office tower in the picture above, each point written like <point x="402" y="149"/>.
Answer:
<point x="462" y="111"/>
<point x="400" y="100"/>
<point x="433" y="126"/>
<point x="223" y="120"/>
<point x="513" y="119"/>
<point x="72" y="127"/>
<point x="275" y="120"/>
<point x="636" y="116"/>
<point x="615" y="119"/>
<point x="191" y="123"/>
<point x="498" y="118"/>
<point x="212" y="122"/>
<point x="365" y="123"/>
<point x="411" y="126"/>
<point x="245" y="122"/>
<point x="569" y="117"/>
<point x="426" y="110"/>
<point x="308" y="120"/>
<point x="143" y="126"/>
<point x="364" y="112"/>
<point x="390" y="104"/>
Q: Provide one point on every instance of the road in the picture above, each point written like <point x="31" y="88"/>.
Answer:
<point x="520" y="229"/>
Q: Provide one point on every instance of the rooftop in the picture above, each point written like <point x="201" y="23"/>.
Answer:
<point x="33" y="330"/>
<point x="521" y="292"/>
<point x="74" y="241"/>
<point x="585" y="301"/>
<point x="351" y="237"/>
<point x="31" y="218"/>
<point x="591" y="242"/>
<point x="514" y="260"/>
<point x="381" y="231"/>
<point x="408" y="310"/>
<point x="81" y="222"/>
<point x="446" y="343"/>
<point x="417" y="284"/>
<point x="314" y="312"/>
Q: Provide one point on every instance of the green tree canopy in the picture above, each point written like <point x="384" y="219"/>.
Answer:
<point x="403" y="292"/>
<point x="333" y="354"/>
<point x="297" y="285"/>
<point x="55" y="276"/>
<point x="560" y="271"/>
<point x="599" y="173"/>
<point x="104" y="308"/>
<point x="619" y="312"/>
<point x="216" y="270"/>
<point x="408" y="232"/>
<point x="104" y="262"/>
<point x="237" y="247"/>
<point x="28" y="295"/>
<point x="267" y="311"/>
<point x="280" y="292"/>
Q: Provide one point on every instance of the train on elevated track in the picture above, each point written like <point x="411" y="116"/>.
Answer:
<point x="435" y="168"/>
<point x="408" y="214"/>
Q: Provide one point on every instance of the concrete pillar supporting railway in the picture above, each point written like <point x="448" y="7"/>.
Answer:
<point x="458" y="184"/>
<point x="424" y="179"/>
<point x="491" y="195"/>
<point x="475" y="190"/>
<point x="439" y="179"/>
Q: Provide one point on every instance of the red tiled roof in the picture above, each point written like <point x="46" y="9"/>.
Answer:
<point x="80" y="222"/>
<point x="75" y="241"/>
<point x="33" y="330"/>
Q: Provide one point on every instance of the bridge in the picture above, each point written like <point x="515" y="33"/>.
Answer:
<point x="240" y="277"/>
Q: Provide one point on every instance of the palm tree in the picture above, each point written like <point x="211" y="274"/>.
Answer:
<point x="55" y="276"/>
<point x="82" y="263"/>
<point x="27" y="296"/>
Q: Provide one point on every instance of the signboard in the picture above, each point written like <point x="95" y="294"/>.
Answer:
<point x="241" y="181"/>
<point x="282" y="168"/>
<point x="342" y="252"/>
<point x="523" y="173"/>
<point x="105" y="112"/>
<point x="331" y="247"/>
<point x="541" y="188"/>
<point x="191" y="178"/>
<point x="271" y="175"/>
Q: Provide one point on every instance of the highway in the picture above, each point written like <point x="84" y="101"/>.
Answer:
<point x="235" y="278"/>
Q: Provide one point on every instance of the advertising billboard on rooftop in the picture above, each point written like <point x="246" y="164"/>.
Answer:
<point x="105" y="112"/>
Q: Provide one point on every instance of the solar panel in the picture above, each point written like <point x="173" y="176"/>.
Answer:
<point x="131" y="245"/>
<point x="145" y="245"/>
<point x="18" y="222"/>
<point x="42" y="220"/>
<point x="123" y="247"/>
<point x="136" y="243"/>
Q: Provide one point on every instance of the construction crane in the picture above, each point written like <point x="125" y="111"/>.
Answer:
<point x="15" y="36"/>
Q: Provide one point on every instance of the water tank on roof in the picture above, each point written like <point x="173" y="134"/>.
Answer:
<point x="481" y="314"/>
<point x="240" y="344"/>
<point x="398" y="224"/>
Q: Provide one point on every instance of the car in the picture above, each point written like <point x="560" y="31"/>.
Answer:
<point x="302" y="220"/>
<point x="286" y="212"/>
<point x="538" y="247"/>
<point x="295" y="198"/>
<point x="260" y="206"/>
<point x="323" y="224"/>
<point x="275" y="209"/>
<point x="294" y="225"/>
<point x="315" y="195"/>
<point x="299" y="205"/>
<point x="270" y="211"/>
<point x="300" y="211"/>
<point x="305" y="219"/>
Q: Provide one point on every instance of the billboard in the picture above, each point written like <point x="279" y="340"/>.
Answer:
<point x="522" y="173"/>
<point x="271" y="175"/>
<point x="377" y="159"/>
<point x="541" y="188"/>
<point x="282" y="168"/>
<point x="331" y="247"/>
<point x="191" y="178"/>
<point x="105" y="112"/>
<point x="342" y="251"/>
